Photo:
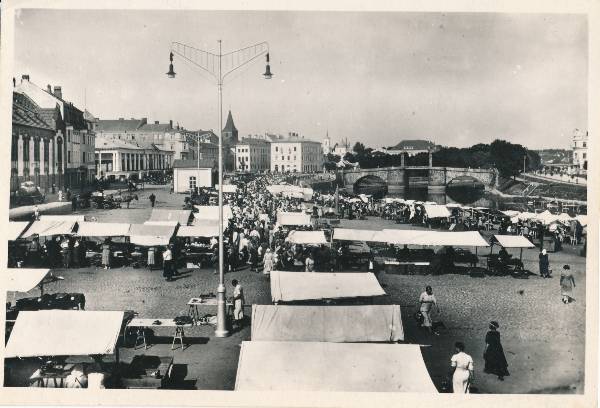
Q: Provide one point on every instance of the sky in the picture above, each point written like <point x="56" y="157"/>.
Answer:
<point x="456" y="79"/>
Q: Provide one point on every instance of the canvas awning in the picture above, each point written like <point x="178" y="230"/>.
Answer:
<point x="337" y="324"/>
<point x="15" y="229"/>
<point x="71" y="218"/>
<point x="436" y="211"/>
<point x="165" y="214"/>
<point x="64" y="333"/>
<point x="205" y="231"/>
<point x="511" y="213"/>
<point x="431" y="238"/>
<point x="293" y="218"/>
<point x="307" y="237"/>
<point x="298" y="286"/>
<point x="347" y="234"/>
<point x="211" y="212"/>
<point x="23" y="279"/>
<point x="547" y="217"/>
<point x="150" y="235"/>
<point x="49" y="228"/>
<point x="167" y="223"/>
<point x="227" y="188"/>
<point x="513" y="241"/>
<point x="103" y="229"/>
<point x="583" y="219"/>
<point x="330" y="367"/>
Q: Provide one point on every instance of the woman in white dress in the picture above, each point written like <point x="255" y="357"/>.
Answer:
<point x="462" y="365"/>
<point x="427" y="300"/>
<point x="268" y="262"/>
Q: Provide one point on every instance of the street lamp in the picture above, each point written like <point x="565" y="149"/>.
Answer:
<point x="219" y="66"/>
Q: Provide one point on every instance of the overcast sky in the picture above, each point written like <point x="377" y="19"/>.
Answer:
<point x="456" y="79"/>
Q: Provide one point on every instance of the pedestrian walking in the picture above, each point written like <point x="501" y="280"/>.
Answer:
<point x="544" y="264"/>
<point x="74" y="203"/>
<point x="167" y="256"/>
<point x="238" y="304"/>
<point x="106" y="253"/>
<point x="268" y="262"/>
<point x="36" y="213"/>
<point x="462" y="369"/>
<point x="495" y="360"/>
<point x="309" y="264"/>
<point x="567" y="283"/>
<point x="151" y="259"/>
<point x="427" y="300"/>
<point x="152" y="199"/>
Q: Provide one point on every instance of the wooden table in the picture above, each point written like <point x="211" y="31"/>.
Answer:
<point x="193" y="304"/>
<point x="50" y="379"/>
<point x="142" y="324"/>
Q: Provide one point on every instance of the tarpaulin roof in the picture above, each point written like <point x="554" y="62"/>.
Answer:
<point x="513" y="241"/>
<point x="291" y="191"/>
<point x="294" y="286"/>
<point x="293" y="218"/>
<point x="436" y="211"/>
<point x="23" y="279"/>
<point x="72" y="218"/>
<point x="431" y="238"/>
<point x="103" y="229"/>
<point x="337" y="324"/>
<point x="583" y="219"/>
<point x="180" y="216"/>
<point x="64" y="333"/>
<point x="48" y="228"/>
<point x="198" y="231"/>
<point x="168" y="223"/>
<point x="321" y="366"/>
<point x="511" y="213"/>
<point x="15" y="229"/>
<point x="347" y="234"/>
<point x="149" y="235"/>
<point x="547" y="217"/>
<point x="227" y="188"/>
<point x="307" y="237"/>
<point x="211" y="212"/>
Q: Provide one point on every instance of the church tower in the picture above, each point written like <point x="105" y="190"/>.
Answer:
<point x="230" y="133"/>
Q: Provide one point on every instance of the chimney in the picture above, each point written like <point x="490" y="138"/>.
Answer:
<point x="144" y="121"/>
<point x="25" y="77"/>
<point x="58" y="91"/>
<point x="171" y="123"/>
<point x="156" y="122"/>
<point x="49" y="88"/>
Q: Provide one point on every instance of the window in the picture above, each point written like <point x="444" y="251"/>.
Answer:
<point x="294" y="148"/>
<point x="288" y="157"/>
<point x="282" y="157"/>
<point x="584" y="155"/>
<point x="192" y="183"/>
<point x="276" y="148"/>
<point x="584" y="144"/>
<point x="69" y="156"/>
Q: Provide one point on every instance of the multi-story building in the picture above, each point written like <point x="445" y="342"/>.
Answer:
<point x="296" y="154"/>
<point x="252" y="155"/>
<point x="411" y="147"/>
<point x="580" y="150"/>
<point x="33" y="145"/>
<point x="75" y="138"/>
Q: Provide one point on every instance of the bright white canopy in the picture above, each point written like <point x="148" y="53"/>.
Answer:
<point x="293" y="218"/>
<point x="307" y="237"/>
<point x="72" y="218"/>
<point x="511" y="213"/>
<point x="23" y="279"/>
<point x="211" y="212"/>
<point x="49" y="228"/>
<point x="227" y="188"/>
<point x="15" y="229"/>
<point x="347" y="234"/>
<point x="436" y="211"/>
<point x="336" y="324"/>
<point x="297" y="286"/>
<point x="179" y="216"/>
<point x="64" y="333"/>
<point x="150" y="235"/>
<point x="547" y="217"/>
<point x="513" y="241"/>
<point x="103" y="229"/>
<point x="431" y="238"/>
<point x="205" y="231"/>
<point x="320" y="366"/>
<point x="583" y="220"/>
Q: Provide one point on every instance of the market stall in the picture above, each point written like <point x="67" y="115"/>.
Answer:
<point x="160" y="215"/>
<point x="307" y="237"/>
<point x="320" y="366"/>
<point x="49" y="228"/>
<point x="211" y="212"/>
<point x="502" y="263"/>
<point x="339" y="324"/>
<point x="16" y="229"/>
<point x="293" y="219"/>
<point x="151" y="235"/>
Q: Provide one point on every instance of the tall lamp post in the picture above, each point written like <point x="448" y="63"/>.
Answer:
<point x="219" y="66"/>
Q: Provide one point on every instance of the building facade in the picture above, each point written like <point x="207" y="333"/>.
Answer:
<point x="296" y="154"/>
<point x="189" y="175"/>
<point x="411" y="147"/>
<point x="253" y="155"/>
<point x="118" y="159"/>
<point x="32" y="147"/>
<point x="75" y="137"/>
<point x="580" y="149"/>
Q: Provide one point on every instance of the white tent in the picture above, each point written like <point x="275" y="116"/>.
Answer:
<point x="150" y="235"/>
<point x="167" y="223"/>
<point x="227" y="188"/>
<point x="583" y="219"/>
<point x="347" y="234"/>
<point x="293" y="218"/>
<point x="71" y="218"/>
<point x="103" y="229"/>
<point x="23" y="279"/>
<point x="511" y="213"/>
<point x="64" y="333"/>
<point x="436" y="211"/>
<point x="298" y="286"/>
<point x="547" y="217"/>
<point x="205" y="231"/>
<point x="320" y="366"/>
<point x="164" y="215"/>
<point x="15" y="229"/>
<point x="307" y="237"/>
<point x="513" y="241"/>
<point x="49" y="228"/>
<point x="565" y="218"/>
<point x="339" y="324"/>
<point x="431" y="238"/>
<point x="211" y="212"/>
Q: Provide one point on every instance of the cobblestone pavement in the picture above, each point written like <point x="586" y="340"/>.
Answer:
<point x="543" y="338"/>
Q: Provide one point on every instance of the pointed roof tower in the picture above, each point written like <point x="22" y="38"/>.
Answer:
<point x="230" y="132"/>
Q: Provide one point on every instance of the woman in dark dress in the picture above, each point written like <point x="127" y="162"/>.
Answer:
<point x="495" y="361"/>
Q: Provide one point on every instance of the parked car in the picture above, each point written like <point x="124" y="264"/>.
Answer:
<point x="29" y="194"/>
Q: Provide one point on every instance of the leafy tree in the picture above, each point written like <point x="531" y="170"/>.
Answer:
<point x="507" y="157"/>
<point x="359" y="149"/>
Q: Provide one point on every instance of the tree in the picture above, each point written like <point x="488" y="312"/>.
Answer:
<point x="507" y="157"/>
<point x="359" y="149"/>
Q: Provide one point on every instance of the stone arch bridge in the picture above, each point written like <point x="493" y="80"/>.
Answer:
<point x="435" y="179"/>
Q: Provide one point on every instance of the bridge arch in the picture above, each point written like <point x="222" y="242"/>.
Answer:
<point x="371" y="184"/>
